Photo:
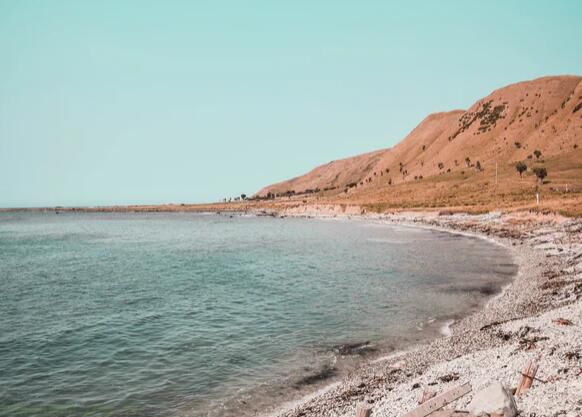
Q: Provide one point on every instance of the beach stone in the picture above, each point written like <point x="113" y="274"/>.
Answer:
<point x="493" y="399"/>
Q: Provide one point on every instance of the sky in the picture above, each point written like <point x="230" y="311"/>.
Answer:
<point x="148" y="102"/>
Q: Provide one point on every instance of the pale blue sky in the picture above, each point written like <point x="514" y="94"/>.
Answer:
<point x="115" y="102"/>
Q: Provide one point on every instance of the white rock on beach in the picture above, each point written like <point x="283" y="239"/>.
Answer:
<point x="493" y="399"/>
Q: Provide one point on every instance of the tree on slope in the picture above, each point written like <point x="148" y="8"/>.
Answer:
<point x="521" y="168"/>
<point x="541" y="173"/>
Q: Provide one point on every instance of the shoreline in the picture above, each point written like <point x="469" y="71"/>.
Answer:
<point x="444" y="330"/>
<point x="492" y="343"/>
<point x="382" y="349"/>
<point x="520" y="302"/>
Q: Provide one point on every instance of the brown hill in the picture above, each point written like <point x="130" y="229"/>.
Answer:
<point x="493" y="134"/>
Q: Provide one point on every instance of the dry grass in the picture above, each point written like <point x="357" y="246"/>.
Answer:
<point x="466" y="190"/>
<point x="471" y="191"/>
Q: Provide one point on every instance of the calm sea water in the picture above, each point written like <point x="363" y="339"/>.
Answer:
<point x="188" y="315"/>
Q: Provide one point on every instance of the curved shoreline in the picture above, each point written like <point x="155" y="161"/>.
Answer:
<point x="423" y="332"/>
<point x="445" y="329"/>
<point x="521" y="300"/>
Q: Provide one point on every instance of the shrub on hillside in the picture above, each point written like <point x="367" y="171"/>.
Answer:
<point x="521" y="168"/>
<point x="541" y="173"/>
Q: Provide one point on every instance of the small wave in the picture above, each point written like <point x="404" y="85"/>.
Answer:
<point x="326" y="372"/>
<point x="485" y="289"/>
<point x="445" y="329"/>
<point x="385" y="240"/>
<point x="358" y="348"/>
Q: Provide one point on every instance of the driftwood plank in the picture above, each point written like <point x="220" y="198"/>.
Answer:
<point x="451" y="413"/>
<point x="442" y="413"/>
<point x="455" y="413"/>
<point x="426" y="395"/>
<point x="439" y="401"/>
<point x="522" y="379"/>
<point x="363" y="410"/>
<point x="527" y="377"/>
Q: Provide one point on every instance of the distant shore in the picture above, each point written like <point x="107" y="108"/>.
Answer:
<point x="323" y="206"/>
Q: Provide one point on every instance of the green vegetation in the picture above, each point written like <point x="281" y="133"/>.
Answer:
<point x="541" y="173"/>
<point x="537" y="153"/>
<point x="490" y="117"/>
<point x="521" y="168"/>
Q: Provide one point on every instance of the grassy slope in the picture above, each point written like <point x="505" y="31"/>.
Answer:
<point x="428" y="170"/>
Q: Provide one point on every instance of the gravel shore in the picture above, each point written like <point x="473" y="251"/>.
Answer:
<point x="493" y="344"/>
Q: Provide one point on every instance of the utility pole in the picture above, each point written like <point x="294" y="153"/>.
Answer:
<point x="496" y="188"/>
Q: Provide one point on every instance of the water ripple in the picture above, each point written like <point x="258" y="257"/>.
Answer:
<point x="188" y="315"/>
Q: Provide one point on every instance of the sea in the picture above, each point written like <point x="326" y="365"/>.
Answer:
<point x="190" y="315"/>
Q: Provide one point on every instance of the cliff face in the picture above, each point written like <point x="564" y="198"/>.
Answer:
<point x="507" y="126"/>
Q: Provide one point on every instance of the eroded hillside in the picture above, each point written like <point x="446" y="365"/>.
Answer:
<point x="538" y="122"/>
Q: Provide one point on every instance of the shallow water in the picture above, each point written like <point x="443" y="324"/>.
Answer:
<point x="188" y="314"/>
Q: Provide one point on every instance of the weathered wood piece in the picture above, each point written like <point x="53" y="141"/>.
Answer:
<point x="562" y="321"/>
<point x="522" y="378"/>
<point x="439" y="401"/>
<point x="426" y="395"/>
<point x="442" y="413"/>
<point x="363" y="410"/>
<point x="527" y="377"/>
<point x="497" y="323"/>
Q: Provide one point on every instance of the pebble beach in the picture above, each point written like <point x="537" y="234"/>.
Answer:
<point x="538" y="318"/>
